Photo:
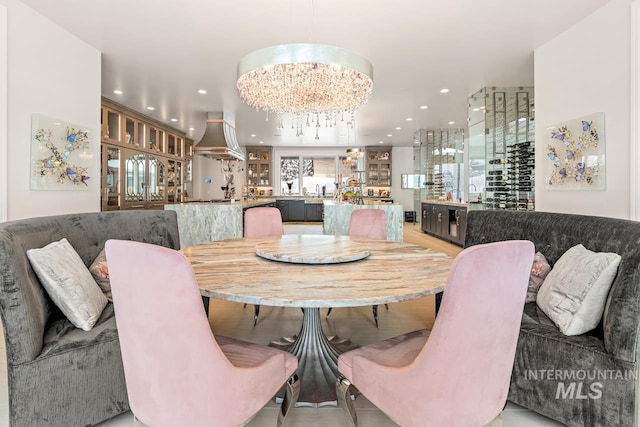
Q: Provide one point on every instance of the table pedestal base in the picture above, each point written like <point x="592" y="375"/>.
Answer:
<point x="317" y="360"/>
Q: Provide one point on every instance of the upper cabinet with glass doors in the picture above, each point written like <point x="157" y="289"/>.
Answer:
<point x="259" y="167"/>
<point x="143" y="160"/>
<point x="378" y="164"/>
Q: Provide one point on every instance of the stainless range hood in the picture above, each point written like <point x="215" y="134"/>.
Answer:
<point x="219" y="140"/>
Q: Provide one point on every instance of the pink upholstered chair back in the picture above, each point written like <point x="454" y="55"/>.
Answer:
<point x="176" y="373"/>
<point x="461" y="376"/>
<point x="263" y="222"/>
<point x="368" y="224"/>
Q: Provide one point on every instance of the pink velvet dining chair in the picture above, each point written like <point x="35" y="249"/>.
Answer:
<point x="458" y="373"/>
<point x="368" y="224"/>
<point x="177" y="372"/>
<point x="262" y="222"/>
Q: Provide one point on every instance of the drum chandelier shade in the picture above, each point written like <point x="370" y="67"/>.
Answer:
<point x="304" y="79"/>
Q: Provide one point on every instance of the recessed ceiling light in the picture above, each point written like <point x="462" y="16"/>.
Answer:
<point x="452" y="123"/>
<point x="423" y="107"/>
<point x="416" y="142"/>
<point x="398" y="128"/>
<point x="522" y="119"/>
<point x="476" y="109"/>
<point x="202" y="91"/>
<point x="253" y="135"/>
<point x="174" y="120"/>
<point x="483" y="107"/>
<point x="192" y="128"/>
<point x="389" y="135"/>
<point x="409" y="119"/>
<point x="381" y="142"/>
<point x="117" y="92"/>
<point x="444" y="90"/>
<point x="261" y="142"/>
<point x="57" y="124"/>
<point x="151" y="108"/>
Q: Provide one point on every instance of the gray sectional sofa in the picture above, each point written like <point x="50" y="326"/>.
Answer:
<point x="60" y="375"/>
<point x="584" y="380"/>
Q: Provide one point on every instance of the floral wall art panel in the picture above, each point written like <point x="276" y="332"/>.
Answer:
<point x="575" y="154"/>
<point x="60" y="154"/>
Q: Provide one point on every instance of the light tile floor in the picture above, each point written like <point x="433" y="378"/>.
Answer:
<point x="356" y="323"/>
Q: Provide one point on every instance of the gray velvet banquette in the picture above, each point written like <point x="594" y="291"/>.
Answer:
<point x="584" y="380"/>
<point x="60" y="375"/>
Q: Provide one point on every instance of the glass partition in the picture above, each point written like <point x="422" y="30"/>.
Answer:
<point x="438" y="154"/>
<point x="501" y="124"/>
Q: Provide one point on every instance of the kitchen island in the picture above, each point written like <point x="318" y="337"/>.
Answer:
<point x="338" y="215"/>
<point x="200" y="222"/>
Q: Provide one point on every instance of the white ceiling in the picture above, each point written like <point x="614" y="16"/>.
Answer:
<point x="160" y="52"/>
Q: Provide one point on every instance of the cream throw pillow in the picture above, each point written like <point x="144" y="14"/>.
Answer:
<point x="574" y="293"/>
<point x="68" y="282"/>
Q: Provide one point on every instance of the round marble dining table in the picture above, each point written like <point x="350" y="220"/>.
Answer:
<point x="269" y="271"/>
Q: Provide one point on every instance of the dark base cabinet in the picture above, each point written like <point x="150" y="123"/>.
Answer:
<point x="313" y="212"/>
<point x="446" y="222"/>
<point x="293" y="210"/>
<point x="296" y="210"/>
<point x="283" y="206"/>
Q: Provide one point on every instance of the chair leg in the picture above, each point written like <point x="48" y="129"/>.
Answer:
<point x="291" y="394"/>
<point x="375" y="314"/>
<point x="256" y="312"/>
<point x="386" y="306"/>
<point x="329" y="311"/>
<point x="344" y="399"/>
<point x="205" y="303"/>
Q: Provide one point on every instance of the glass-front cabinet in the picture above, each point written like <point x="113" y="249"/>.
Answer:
<point x="143" y="161"/>
<point x="145" y="180"/>
<point x="135" y="167"/>
<point x="111" y="125"/>
<point x="188" y="170"/>
<point x="111" y="191"/>
<point x="174" y="181"/>
<point x="378" y="164"/>
<point x="259" y="169"/>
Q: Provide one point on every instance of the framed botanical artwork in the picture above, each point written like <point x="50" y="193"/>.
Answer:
<point x="60" y="154"/>
<point x="575" y="154"/>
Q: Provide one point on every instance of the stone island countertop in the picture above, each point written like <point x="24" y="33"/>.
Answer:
<point x="200" y="222"/>
<point x="338" y="215"/>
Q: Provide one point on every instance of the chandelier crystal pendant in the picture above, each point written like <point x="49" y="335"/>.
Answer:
<point x="305" y="79"/>
<point x="355" y="152"/>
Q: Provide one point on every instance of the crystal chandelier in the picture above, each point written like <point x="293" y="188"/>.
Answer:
<point x="355" y="152"/>
<point x="305" y="79"/>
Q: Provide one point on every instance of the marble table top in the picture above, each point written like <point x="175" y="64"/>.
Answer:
<point x="312" y="249"/>
<point x="394" y="272"/>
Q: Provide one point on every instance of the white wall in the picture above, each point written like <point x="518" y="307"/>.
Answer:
<point x="50" y="72"/>
<point x="586" y="70"/>
<point x="401" y="162"/>
<point x="3" y="114"/>
<point x="206" y="168"/>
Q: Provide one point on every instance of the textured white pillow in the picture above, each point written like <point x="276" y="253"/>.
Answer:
<point x="68" y="282"/>
<point x="574" y="293"/>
